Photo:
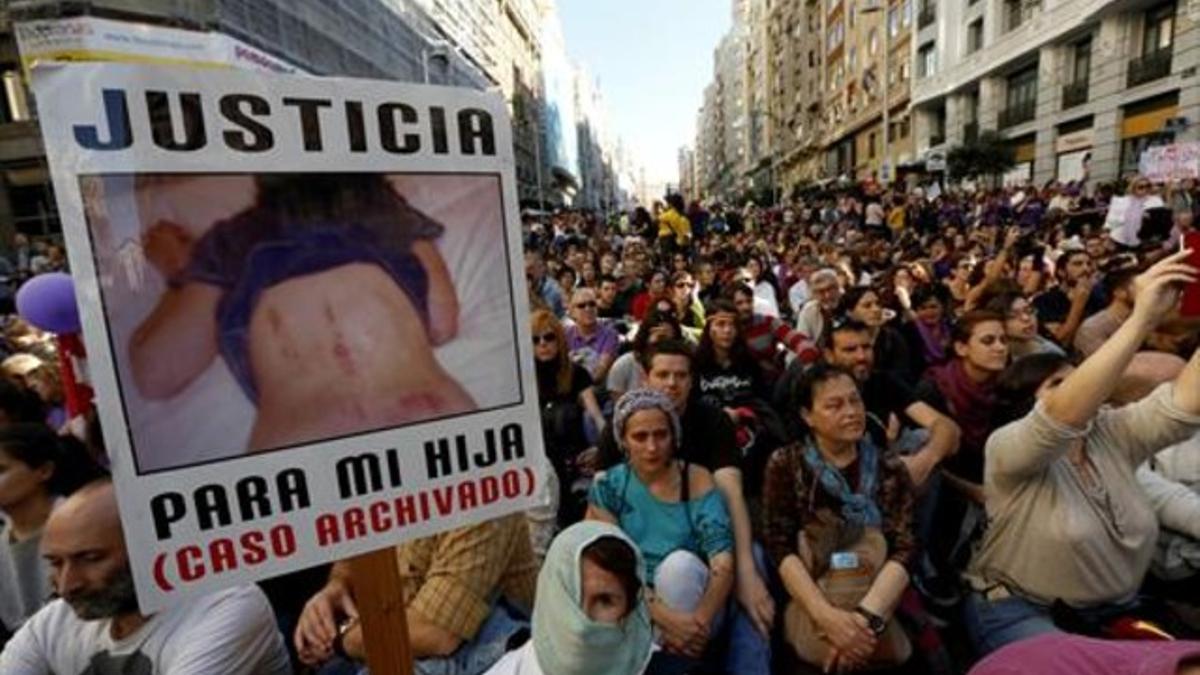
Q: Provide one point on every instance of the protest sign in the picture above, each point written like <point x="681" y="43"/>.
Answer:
<point x="1177" y="161"/>
<point x="304" y="308"/>
<point x="88" y="38"/>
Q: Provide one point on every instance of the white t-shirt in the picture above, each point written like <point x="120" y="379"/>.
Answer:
<point x="520" y="661"/>
<point x="764" y="300"/>
<point x="231" y="633"/>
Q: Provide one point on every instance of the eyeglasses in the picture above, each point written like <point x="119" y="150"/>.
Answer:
<point x="545" y="338"/>
<point x="586" y="304"/>
<point x="683" y="284"/>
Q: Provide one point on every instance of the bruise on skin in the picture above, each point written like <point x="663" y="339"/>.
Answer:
<point x="276" y="322"/>
<point x="345" y="360"/>
<point x="341" y="353"/>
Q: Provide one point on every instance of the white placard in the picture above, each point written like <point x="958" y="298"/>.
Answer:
<point x="305" y="312"/>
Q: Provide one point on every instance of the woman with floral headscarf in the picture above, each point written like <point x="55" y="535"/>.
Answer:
<point x="672" y="511"/>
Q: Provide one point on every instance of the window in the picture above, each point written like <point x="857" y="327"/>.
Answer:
<point x="873" y="42"/>
<point x="1160" y="28"/>
<point x="852" y="58"/>
<point x="1022" y="88"/>
<point x="1082" y="65"/>
<point x="975" y="36"/>
<point x="926" y="60"/>
<point x="971" y="107"/>
<point x="893" y="22"/>
<point x="812" y="59"/>
<point x="1017" y="12"/>
<point x="908" y="13"/>
<point x="871" y="145"/>
<point x="837" y="33"/>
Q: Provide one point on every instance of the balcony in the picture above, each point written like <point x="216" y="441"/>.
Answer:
<point x="1018" y="113"/>
<point x="1149" y="67"/>
<point x="927" y="16"/>
<point x="970" y="132"/>
<point x="1075" y="93"/>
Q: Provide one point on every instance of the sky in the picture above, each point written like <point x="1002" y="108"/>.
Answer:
<point x="652" y="59"/>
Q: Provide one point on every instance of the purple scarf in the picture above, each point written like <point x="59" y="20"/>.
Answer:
<point x="970" y="403"/>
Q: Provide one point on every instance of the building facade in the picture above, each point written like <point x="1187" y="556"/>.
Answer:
<point x="388" y="39"/>
<point x="1078" y="87"/>
<point x="867" y="49"/>
<point x="795" y="45"/>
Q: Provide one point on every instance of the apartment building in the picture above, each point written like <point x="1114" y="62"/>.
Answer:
<point x="867" y="46"/>
<point x="795" y="45"/>
<point x="1078" y="87"/>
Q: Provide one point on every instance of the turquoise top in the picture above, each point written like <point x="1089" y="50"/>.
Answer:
<point x="660" y="528"/>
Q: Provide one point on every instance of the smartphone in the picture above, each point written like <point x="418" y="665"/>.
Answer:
<point x="1191" y="293"/>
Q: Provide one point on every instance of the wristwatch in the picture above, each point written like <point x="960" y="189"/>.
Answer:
<point x="874" y="622"/>
<point x="339" y="642"/>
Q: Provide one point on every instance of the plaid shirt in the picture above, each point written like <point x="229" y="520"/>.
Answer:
<point x="453" y="579"/>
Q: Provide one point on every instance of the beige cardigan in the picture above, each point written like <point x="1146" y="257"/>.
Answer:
<point x="1051" y="538"/>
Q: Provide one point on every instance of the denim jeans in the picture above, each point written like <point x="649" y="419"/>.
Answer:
<point x="680" y="582"/>
<point x="993" y="624"/>
<point x="481" y="653"/>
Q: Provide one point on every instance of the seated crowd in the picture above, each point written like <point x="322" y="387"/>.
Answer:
<point x="862" y="431"/>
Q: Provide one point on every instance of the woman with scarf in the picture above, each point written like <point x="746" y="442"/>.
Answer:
<point x="590" y="617"/>
<point x="1071" y="531"/>
<point x="839" y="524"/>
<point x="672" y="511"/>
<point x="964" y="389"/>
<point x="927" y="326"/>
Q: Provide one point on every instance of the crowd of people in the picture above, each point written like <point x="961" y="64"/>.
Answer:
<point x="918" y="430"/>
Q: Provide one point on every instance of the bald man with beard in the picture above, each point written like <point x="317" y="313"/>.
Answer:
<point x="96" y="628"/>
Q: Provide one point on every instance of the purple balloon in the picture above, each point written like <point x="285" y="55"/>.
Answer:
<point x="48" y="302"/>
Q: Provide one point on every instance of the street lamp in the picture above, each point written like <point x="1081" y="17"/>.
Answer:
<point x="872" y="7"/>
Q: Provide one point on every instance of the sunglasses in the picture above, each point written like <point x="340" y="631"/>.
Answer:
<point x="587" y="304"/>
<point x="545" y="338"/>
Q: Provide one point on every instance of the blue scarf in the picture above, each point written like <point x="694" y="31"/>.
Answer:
<point x="858" y="508"/>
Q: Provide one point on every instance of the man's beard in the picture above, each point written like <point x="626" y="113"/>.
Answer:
<point x="117" y="597"/>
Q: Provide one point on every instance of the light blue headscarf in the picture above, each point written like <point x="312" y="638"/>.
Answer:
<point x="565" y="640"/>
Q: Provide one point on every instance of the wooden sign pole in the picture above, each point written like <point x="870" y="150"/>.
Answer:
<point x="379" y="594"/>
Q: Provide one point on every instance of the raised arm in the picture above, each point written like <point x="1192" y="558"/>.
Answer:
<point x="1187" y="386"/>
<point x="1075" y="402"/>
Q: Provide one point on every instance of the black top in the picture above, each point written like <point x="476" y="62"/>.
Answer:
<point x="884" y="395"/>
<point x="1054" y="305"/>
<point x="547" y="383"/>
<point x="731" y="387"/>
<point x="708" y="440"/>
